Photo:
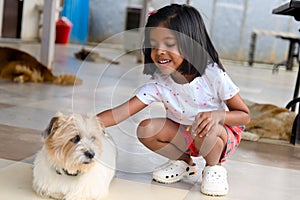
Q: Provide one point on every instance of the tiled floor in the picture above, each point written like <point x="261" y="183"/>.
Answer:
<point x="258" y="170"/>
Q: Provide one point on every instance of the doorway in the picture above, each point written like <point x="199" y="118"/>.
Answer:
<point x="12" y="20"/>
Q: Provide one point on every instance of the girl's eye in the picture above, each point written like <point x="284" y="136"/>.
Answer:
<point x="153" y="47"/>
<point x="75" y="139"/>
<point x="93" y="138"/>
<point x="170" y="45"/>
<point x="165" y="46"/>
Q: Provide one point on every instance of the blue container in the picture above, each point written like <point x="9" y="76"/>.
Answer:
<point x="77" y="11"/>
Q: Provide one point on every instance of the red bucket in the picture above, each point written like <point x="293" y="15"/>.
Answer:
<point x="63" y="30"/>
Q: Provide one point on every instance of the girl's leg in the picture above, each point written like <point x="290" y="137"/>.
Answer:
<point x="212" y="146"/>
<point x="163" y="137"/>
<point x="214" y="176"/>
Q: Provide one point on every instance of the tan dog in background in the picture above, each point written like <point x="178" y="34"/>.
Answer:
<point x="19" y="66"/>
<point x="77" y="161"/>
<point x="269" y="121"/>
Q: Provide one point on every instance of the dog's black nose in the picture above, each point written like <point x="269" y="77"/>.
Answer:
<point x="89" y="154"/>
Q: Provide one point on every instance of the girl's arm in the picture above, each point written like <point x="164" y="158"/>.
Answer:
<point x="238" y="113"/>
<point x="116" y="115"/>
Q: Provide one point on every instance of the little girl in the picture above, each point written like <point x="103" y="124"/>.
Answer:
<point x="204" y="112"/>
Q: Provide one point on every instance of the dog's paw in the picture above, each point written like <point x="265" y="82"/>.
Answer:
<point x="250" y="136"/>
<point x="19" y="79"/>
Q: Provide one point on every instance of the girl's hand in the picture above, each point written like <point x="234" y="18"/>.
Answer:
<point x="205" y="122"/>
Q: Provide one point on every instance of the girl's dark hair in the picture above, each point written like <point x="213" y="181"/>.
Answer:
<point x="193" y="40"/>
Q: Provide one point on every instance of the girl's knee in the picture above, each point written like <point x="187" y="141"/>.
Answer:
<point x="224" y="136"/>
<point x="145" y="122"/>
<point x="221" y="140"/>
<point x="151" y="127"/>
<point x="145" y="130"/>
<point x="220" y="144"/>
<point x="214" y="142"/>
<point x="144" y="125"/>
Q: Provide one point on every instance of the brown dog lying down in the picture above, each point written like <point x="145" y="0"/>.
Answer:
<point x="269" y="121"/>
<point x="93" y="56"/>
<point x="19" y="66"/>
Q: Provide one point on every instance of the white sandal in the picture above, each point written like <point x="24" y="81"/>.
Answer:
<point x="173" y="171"/>
<point x="214" y="181"/>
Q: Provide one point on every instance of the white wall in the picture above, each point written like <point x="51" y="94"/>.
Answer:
<point x="30" y="20"/>
<point x="229" y="22"/>
<point x="1" y="15"/>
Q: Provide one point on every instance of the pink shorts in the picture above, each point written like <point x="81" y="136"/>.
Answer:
<point x="233" y="140"/>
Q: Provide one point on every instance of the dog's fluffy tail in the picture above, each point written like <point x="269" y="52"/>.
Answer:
<point x="67" y="79"/>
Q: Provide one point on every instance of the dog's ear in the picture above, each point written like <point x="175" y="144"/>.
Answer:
<point x="59" y="114"/>
<point x="49" y="129"/>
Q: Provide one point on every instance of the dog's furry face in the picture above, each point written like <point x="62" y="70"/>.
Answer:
<point x="73" y="142"/>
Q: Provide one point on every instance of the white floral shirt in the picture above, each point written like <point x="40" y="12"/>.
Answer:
<point x="184" y="101"/>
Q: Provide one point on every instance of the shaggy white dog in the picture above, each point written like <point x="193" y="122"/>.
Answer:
<point x="77" y="161"/>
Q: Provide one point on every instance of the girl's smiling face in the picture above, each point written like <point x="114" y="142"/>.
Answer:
<point x="164" y="50"/>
